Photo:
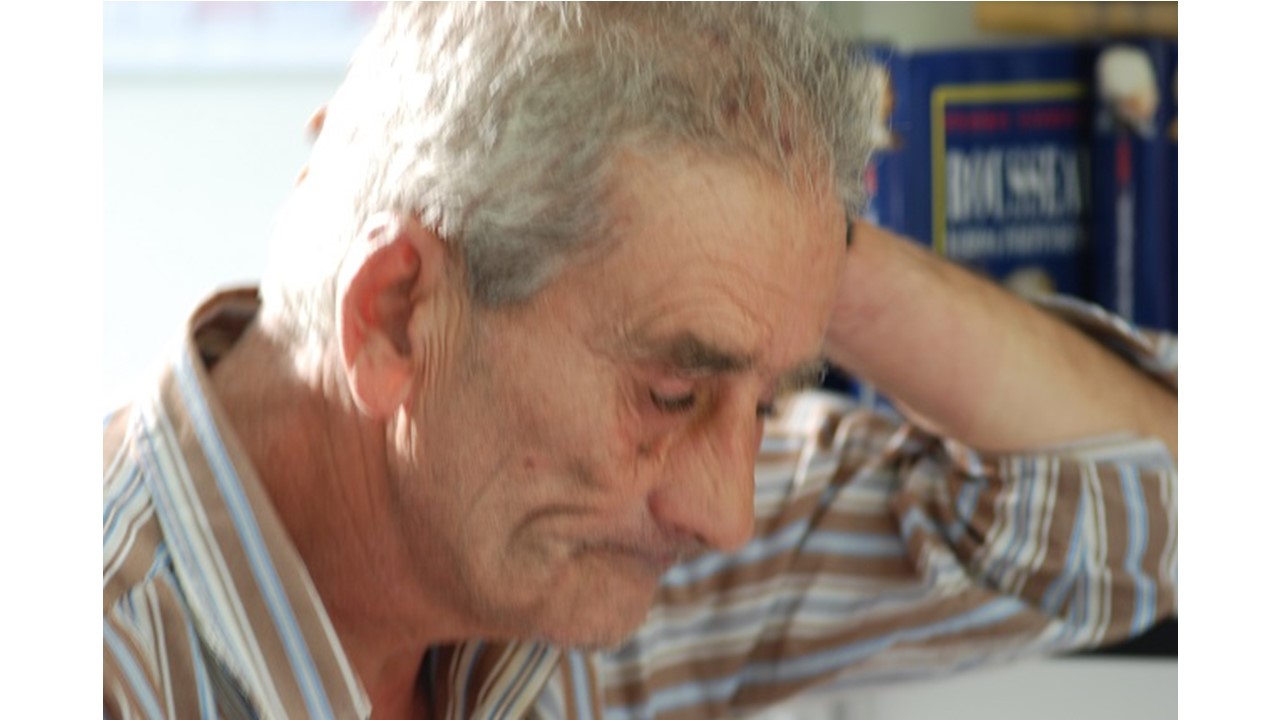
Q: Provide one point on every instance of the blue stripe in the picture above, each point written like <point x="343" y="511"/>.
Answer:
<point x="771" y="491"/>
<point x="771" y="671"/>
<point x="854" y="544"/>
<point x="129" y="666"/>
<point x="1080" y="608"/>
<point x="255" y="548"/>
<point x="780" y="445"/>
<point x="1056" y="592"/>
<point x="159" y="564"/>
<point x="581" y="685"/>
<point x="914" y="520"/>
<point x="966" y="505"/>
<point x="1144" y="610"/>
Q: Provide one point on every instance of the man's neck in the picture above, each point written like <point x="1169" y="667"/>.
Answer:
<point x="325" y="467"/>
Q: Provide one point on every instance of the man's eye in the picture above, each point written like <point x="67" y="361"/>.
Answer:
<point x="767" y="410"/>
<point x="676" y="404"/>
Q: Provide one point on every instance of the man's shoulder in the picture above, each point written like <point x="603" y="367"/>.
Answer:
<point x="133" y="547"/>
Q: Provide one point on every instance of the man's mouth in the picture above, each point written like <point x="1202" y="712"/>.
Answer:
<point x="655" y="560"/>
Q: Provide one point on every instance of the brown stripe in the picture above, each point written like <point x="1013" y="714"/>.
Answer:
<point x="177" y="650"/>
<point x="1157" y="537"/>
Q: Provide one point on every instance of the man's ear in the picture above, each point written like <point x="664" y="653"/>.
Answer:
<point x="396" y="265"/>
<point x="314" y="125"/>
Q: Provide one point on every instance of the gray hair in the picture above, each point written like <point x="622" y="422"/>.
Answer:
<point x="495" y="124"/>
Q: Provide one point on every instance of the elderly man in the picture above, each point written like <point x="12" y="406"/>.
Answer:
<point x="508" y="430"/>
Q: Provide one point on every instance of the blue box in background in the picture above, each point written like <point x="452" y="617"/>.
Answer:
<point x="997" y="159"/>
<point x="1135" y="181"/>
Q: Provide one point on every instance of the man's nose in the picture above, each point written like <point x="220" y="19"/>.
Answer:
<point x="710" y="493"/>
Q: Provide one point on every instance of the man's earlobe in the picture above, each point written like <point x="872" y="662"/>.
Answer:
<point x="379" y="287"/>
<point x="315" y="124"/>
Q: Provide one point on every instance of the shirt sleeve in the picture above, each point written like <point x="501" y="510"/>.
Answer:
<point x="883" y="553"/>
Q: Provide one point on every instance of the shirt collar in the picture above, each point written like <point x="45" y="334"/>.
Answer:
<point x="250" y="596"/>
<point x="248" y="589"/>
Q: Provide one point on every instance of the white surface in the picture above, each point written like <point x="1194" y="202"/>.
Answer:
<point x="1068" y="689"/>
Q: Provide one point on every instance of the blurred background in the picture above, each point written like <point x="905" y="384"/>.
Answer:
<point x="204" y="113"/>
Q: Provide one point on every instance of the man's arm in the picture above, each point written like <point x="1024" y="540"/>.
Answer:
<point x="968" y="360"/>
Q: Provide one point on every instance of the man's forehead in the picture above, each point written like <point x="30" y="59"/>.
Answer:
<point x="715" y="266"/>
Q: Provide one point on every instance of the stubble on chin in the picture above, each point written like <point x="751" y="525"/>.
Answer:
<point x="593" y="601"/>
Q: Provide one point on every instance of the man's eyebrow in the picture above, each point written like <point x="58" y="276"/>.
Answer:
<point x="691" y="354"/>
<point x="805" y="375"/>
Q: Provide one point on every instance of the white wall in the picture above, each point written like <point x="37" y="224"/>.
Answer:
<point x="195" y="165"/>
<point x="193" y="171"/>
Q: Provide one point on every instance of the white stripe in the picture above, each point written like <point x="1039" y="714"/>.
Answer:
<point x="1099" y="602"/>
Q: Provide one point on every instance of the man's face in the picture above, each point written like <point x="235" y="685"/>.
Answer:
<point x="592" y="435"/>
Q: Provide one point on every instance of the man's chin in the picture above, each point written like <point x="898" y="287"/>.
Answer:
<point x="606" y="610"/>
<point x="594" y="635"/>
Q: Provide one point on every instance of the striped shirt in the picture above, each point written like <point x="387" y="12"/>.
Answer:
<point x="880" y="554"/>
